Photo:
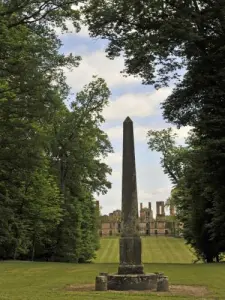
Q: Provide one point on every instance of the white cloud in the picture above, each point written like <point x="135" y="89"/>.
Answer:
<point x="116" y="133"/>
<point x="140" y="133"/>
<point x="182" y="133"/>
<point x="144" y="196"/>
<point x="136" y="105"/>
<point x="96" y="63"/>
<point x="161" y="191"/>
<point x="113" y="158"/>
<point x="84" y="31"/>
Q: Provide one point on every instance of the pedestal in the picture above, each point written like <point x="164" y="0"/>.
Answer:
<point x="130" y="256"/>
<point x="138" y="282"/>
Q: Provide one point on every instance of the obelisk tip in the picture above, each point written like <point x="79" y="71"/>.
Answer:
<point x="128" y="119"/>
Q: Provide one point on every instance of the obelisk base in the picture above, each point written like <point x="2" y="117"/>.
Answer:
<point x="130" y="269"/>
<point x="138" y="282"/>
<point x="130" y="256"/>
<point x="126" y="282"/>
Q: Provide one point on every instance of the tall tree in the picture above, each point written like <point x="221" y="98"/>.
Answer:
<point x="30" y="83"/>
<point x="184" y="167"/>
<point x="78" y="146"/>
<point x="157" y="39"/>
<point x="50" y="156"/>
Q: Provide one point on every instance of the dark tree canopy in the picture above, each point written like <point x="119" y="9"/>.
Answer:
<point x="157" y="37"/>
<point x="51" y="155"/>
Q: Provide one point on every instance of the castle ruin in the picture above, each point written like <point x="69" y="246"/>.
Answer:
<point x="162" y="224"/>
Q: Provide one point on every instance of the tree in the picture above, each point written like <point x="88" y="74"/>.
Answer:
<point x="173" y="156"/>
<point x="54" y="12"/>
<point x="51" y="157"/>
<point x="199" y="101"/>
<point x="173" y="159"/>
<point x="184" y="166"/>
<point x="78" y="146"/>
<point x="30" y="84"/>
<point x="157" y="39"/>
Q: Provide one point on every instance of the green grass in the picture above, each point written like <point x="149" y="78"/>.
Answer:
<point x="40" y="281"/>
<point x="155" y="249"/>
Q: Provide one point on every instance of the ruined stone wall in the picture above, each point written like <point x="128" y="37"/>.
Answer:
<point x="147" y="224"/>
<point x="145" y="229"/>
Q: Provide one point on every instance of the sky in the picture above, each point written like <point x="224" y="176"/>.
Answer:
<point x="129" y="98"/>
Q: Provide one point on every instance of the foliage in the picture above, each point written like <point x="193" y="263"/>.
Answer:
<point x="173" y="156"/>
<point x="51" y="156"/>
<point x="199" y="101"/>
<point x="78" y="147"/>
<point x="184" y="166"/>
<point x="158" y="39"/>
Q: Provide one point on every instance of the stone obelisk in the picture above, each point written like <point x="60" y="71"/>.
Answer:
<point x="130" y="274"/>
<point x="130" y="241"/>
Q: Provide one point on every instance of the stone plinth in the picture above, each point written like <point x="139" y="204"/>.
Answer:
<point x="103" y="274"/>
<point x="162" y="284"/>
<point x="101" y="283"/>
<point x="138" y="282"/>
<point x="130" y="256"/>
<point x="130" y="269"/>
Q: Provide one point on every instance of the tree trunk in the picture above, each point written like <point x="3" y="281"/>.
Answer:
<point x="209" y="259"/>
<point x="33" y="247"/>
<point x="17" y="243"/>
<point x="15" y="251"/>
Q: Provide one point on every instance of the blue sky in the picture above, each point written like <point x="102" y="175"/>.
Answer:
<point x="129" y="98"/>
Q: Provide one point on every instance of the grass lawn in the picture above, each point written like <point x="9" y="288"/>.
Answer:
<point x="155" y="249"/>
<point x="40" y="281"/>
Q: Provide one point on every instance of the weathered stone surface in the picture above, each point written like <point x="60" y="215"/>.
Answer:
<point x="130" y="256"/>
<point x="130" y="272"/>
<point x="130" y="269"/>
<point x="130" y="250"/>
<point x="132" y="282"/>
<point x="162" y="284"/>
<point x="130" y="242"/>
<point x="159" y="274"/>
<point x="101" y="283"/>
<point x="103" y="274"/>
<point x="129" y="216"/>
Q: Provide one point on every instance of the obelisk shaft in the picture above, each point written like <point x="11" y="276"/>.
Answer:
<point x="129" y="183"/>
<point x="130" y="242"/>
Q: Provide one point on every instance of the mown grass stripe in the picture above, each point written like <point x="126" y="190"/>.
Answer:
<point x="154" y="250"/>
<point x="105" y="250"/>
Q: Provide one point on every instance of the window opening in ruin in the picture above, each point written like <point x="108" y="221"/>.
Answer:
<point x="160" y="209"/>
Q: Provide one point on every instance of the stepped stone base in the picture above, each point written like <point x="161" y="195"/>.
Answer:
<point x="138" y="282"/>
<point x="101" y="283"/>
<point x="162" y="284"/>
<point x="130" y="269"/>
<point x="125" y="282"/>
